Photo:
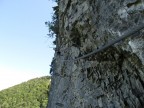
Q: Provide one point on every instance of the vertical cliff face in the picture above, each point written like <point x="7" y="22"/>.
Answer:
<point x="113" y="78"/>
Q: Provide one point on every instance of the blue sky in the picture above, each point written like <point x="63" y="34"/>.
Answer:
<point x="25" y="49"/>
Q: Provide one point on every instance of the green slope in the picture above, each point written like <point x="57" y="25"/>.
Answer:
<point x="30" y="94"/>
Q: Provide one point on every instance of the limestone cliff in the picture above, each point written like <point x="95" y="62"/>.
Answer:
<point x="112" y="78"/>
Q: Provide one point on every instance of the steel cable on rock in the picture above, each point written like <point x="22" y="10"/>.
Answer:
<point x="125" y="35"/>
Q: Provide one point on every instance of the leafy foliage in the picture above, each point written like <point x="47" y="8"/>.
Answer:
<point x="30" y="94"/>
<point x="54" y="24"/>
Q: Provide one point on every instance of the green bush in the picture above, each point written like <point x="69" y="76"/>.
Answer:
<point x="53" y="25"/>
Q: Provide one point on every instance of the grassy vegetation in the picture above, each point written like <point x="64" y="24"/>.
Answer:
<point x="30" y="94"/>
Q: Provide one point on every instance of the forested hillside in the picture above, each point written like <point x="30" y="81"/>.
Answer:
<point x="30" y="94"/>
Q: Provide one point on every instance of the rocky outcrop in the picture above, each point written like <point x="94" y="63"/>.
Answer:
<point x="112" y="78"/>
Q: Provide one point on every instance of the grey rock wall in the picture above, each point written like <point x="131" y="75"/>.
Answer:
<point x="113" y="78"/>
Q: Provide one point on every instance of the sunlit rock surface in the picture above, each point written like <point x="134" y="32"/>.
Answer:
<point x="113" y="78"/>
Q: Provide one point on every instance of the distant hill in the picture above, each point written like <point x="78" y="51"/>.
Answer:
<point x="30" y="94"/>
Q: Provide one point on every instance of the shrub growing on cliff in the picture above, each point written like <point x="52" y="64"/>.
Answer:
<point x="53" y="25"/>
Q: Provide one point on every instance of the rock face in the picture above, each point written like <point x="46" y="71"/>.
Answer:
<point x="113" y="78"/>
